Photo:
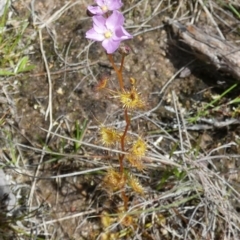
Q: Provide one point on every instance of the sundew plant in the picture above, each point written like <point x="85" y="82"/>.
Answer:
<point x="108" y="29"/>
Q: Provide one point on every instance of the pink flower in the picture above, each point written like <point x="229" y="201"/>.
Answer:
<point x="104" y="6"/>
<point x="109" y="31"/>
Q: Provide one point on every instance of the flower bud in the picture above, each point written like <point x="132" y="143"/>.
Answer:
<point x="124" y="50"/>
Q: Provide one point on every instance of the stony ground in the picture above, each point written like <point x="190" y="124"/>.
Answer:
<point x="59" y="96"/>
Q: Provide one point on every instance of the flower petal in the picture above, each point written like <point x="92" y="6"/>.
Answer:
<point x="93" y="35"/>
<point x="115" y="20"/>
<point x="99" y="21"/>
<point x="121" y="34"/>
<point x="100" y="30"/>
<point x="96" y="10"/>
<point x="110" y="45"/>
<point x="114" y="5"/>
<point x="99" y="24"/>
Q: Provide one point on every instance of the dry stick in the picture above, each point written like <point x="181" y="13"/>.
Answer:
<point x="178" y="9"/>
<point x="49" y="111"/>
<point x="154" y="13"/>
<point x="56" y="15"/>
<point x="68" y="217"/>
<point x="70" y="69"/>
<point x="211" y="18"/>
<point x="129" y="9"/>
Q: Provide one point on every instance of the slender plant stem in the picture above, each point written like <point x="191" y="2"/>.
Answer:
<point x="127" y="120"/>
<point x="121" y="163"/>
<point x="118" y="71"/>
<point x="121" y="157"/>
<point x="122" y="62"/>
<point x="125" y="200"/>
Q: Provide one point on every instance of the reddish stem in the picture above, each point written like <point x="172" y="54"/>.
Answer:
<point x="122" y="62"/>
<point x="118" y="71"/>
<point x="121" y="157"/>
<point x="127" y="120"/>
<point x="125" y="200"/>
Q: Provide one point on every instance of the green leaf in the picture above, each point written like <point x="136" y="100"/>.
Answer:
<point x="6" y="73"/>
<point x="23" y="66"/>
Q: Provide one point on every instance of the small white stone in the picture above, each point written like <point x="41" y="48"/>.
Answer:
<point x="60" y="91"/>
